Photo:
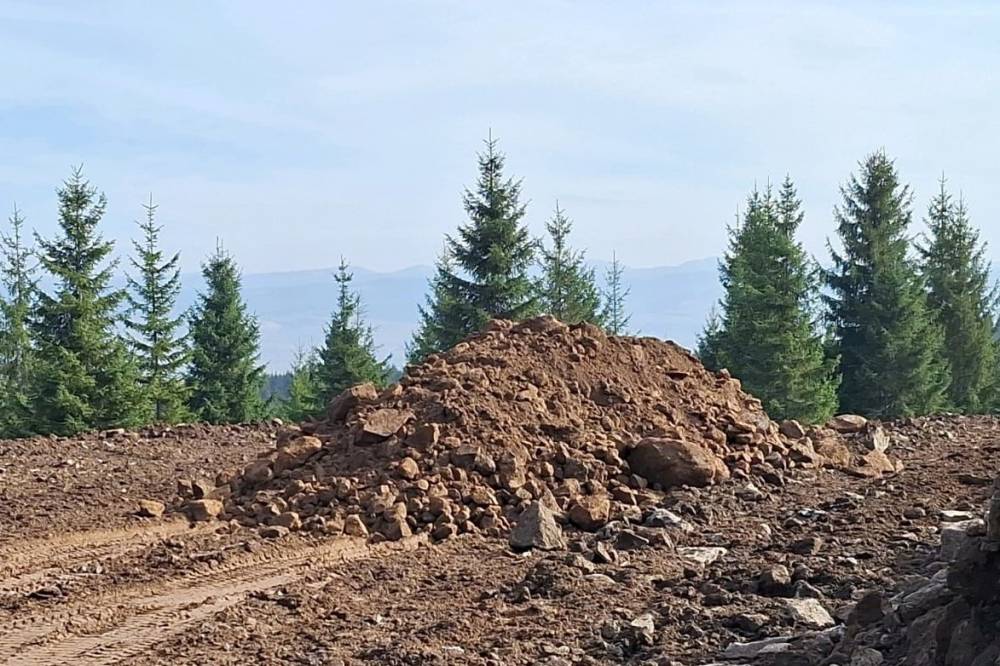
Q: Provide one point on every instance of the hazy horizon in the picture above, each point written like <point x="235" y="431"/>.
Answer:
<point x="326" y="131"/>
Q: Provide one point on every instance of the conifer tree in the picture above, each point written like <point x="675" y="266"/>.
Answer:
<point x="963" y="300"/>
<point x="85" y="377"/>
<point x="442" y="317"/>
<point x="160" y="349"/>
<point x="614" y="315"/>
<point x="766" y="336"/>
<point x="17" y="276"/>
<point x="224" y="376"/>
<point x="347" y="356"/>
<point x="890" y="347"/>
<point x="485" y="273"/>
<point x="303" y="400"/>
<point x="567" y="289"/>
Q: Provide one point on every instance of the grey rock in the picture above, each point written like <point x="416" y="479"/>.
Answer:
<point x="809" y="612"/>
<point x="536" y="527"/>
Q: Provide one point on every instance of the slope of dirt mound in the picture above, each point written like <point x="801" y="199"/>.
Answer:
<point x="592" y="427"/>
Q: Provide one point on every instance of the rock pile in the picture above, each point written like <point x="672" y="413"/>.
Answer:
<point x="950" y="616"/>
<point x="558" y="423"/>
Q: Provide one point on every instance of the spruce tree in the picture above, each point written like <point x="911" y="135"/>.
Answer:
<point x="160" y="349"/>
<point x="17" y="276"/>
<point x="347" y="356"/>
<point x="567" y="289"/>
<point x="224" y="376"/>
<point x="485" y="274"/>
<point x="962" y="298"/>
<point x="766" y="335"/>
<point x="303" y="401"/>
<point x="614" y="315"/>
<point x="442" y="317"/>
<point x="85" y="376"/>
<point x="889" y="345"/>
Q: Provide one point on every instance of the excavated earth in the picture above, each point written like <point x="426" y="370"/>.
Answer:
<point x="791" y="529"/>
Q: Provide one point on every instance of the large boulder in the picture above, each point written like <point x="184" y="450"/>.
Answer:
<point x="847" y="423"/>
<point x="383" y="424"/>
<point x="674" y="462"/>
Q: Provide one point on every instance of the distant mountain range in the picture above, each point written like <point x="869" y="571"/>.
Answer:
<point x="294" y="307"/>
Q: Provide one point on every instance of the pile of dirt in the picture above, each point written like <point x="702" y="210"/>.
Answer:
<point x="587" y="427"/>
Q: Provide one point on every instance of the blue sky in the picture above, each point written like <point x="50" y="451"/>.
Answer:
<point x="298" y="132"/>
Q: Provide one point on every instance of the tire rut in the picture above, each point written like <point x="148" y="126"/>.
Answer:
<point x="129" y="622"/>
<point x="29" y="564"/>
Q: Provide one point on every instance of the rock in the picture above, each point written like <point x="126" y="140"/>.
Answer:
<point x="703" y="555"/>
<point x="151" y="508"/>
<point x="751" y="493"/>
<point x="872" y="465"/>
<point x="536" y="527"/>
<point x="667" y="519"/>
<point x="774" y="581"/>
<point x="274" y="532"/>
<point x="590" y="513"/>
<point x="869" y="610"/>
<point x="750" y="651"/>
<point x="425" y="435"/>
<point x="289" y="520"/>
<point x="354" y="526"/>
<point x="258" y="472"/>
<point x="792" y="430"/>
<point x="184" y="488"/>
<point x="629" y="540"/>
<point x="807" y="546"/>
<point x="396" y="529"/>
<point x="472" y="458"/>
<point x="809" y="612"/>
<point x="642" y="630"/>
<point x="956" y="516"/>
<point x="835" y="452"/>
<point x="296" y="452"/>
<point x="408" y="469"/>
<point x="674" y="462"/>
<point x="928" y="597"/>
<point x="875" y="438"/>
<point x="349" y="399"/>
<point x="201" y="488"/>
<point x="866" y="656"/>
<point x="914" y="513"/>
<point x="383" y="424"/>
<point x="203" y="510"/>
<point x="955" y="535"/>
<point x="847" y="423"/>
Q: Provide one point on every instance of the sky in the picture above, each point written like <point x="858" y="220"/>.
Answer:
<point x="300" y="132"/>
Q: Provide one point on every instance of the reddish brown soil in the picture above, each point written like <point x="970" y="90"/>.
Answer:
<point x="52" y="486"/>
<point x="163" y="593"/>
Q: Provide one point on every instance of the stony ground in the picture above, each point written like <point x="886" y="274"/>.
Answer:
<point x="83" y="581"/>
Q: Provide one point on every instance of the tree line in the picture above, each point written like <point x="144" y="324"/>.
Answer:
<point x="79" y="354"/>
<point x="895" y="326"/>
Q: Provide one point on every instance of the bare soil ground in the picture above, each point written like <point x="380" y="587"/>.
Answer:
<point x="82" y="581"/>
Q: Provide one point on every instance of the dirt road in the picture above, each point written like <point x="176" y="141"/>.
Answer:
<point x="107" y="625"/>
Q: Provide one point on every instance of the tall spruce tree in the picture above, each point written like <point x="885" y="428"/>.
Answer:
<point x="963" y="299"/>
<point x="85" y="376"/>
<point x="224" y="376"/>
<point x="347" y="356"/>
<point x="160" y="349"/>
<point x="766" y="335"/>
<point x="889" y="345"/>
<point x="17" y="276"/>
<point x="485" y="274"/>
<point x="566" y="289"/>
<point x="614" y="316"/>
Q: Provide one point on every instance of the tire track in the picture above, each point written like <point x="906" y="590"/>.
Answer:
<point x="25" y="565"/>
<point x="133" y="620"/>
